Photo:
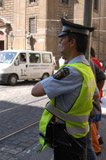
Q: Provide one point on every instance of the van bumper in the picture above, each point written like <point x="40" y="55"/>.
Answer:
<point x="4" y="78"/>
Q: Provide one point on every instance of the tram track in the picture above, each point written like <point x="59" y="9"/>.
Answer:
<point x="9" y="109"/>
<point x="25" y="115"/>
<point x="18" y="131"/>
<point x="20" y="116"/>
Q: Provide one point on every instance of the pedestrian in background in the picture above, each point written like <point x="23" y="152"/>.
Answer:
<point x="54" y="64"/>
<point x="104" y="66"/>
<point x="61" y="61"/>
<point x="64" y="123"/>
<point x="95" y="60"/>
<point x="100" y="79"/>
<point x="98" y="117"/>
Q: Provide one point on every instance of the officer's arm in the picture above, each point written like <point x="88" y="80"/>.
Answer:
<point x="101" y="84"/>
<point x="100" y="77"/>
<point x="96" y="94"/>
<point x="38" y="90"/>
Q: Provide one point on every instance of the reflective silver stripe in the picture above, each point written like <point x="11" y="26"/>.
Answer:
<point x="73" y="29"/>
<point x="77" y="130"/>
<point x="66" y="117"/>
<point x="42" y="135"/>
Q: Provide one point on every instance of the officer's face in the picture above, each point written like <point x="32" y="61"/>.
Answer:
<point x="64" y="46"/>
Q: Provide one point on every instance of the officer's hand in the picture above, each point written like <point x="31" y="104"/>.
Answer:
<point x="95" y="97"/>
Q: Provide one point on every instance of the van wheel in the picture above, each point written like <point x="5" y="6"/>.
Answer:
<point x="12" y="80"/>
<point x="45" y="75"/>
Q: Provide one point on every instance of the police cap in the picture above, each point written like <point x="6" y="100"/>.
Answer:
<point x="69" y="27"/>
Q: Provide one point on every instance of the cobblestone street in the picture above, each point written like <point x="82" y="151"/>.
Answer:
<point x="19" y="116"/>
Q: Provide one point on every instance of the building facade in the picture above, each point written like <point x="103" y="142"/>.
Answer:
<point x="35" y="24"/>
<point x="99" y="35"/>
<point x="98" y="41"/>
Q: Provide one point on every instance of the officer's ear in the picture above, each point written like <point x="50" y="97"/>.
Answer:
<point x="72" y="43"/>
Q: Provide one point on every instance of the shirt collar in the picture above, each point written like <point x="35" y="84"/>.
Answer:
<point x="79" y="59"/>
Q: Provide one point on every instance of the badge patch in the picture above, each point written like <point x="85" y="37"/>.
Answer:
<point x="62" y="73"/>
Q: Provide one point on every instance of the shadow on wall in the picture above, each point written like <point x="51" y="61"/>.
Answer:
<point x="32" y="42"/>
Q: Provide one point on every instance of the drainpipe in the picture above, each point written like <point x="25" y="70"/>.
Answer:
<point x="88" y="9"/>
<point x="99" y="31"/>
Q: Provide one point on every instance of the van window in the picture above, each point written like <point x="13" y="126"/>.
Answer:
<point x="22" y="57"/>
<point x="34" y="58"/>
<point x="46" y="58"/>
<point x="7" y="57"/>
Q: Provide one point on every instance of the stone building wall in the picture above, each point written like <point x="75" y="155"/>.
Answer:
<point x="7" y="10"/>
<point x="56" y="10"/>
<point x="6" y="16"/>
<point x="19" y="24"/>
<point x="38" y="11"/>
<point x="47" y="14"/>
<point x="98" y="41"/>
<point x="99" y="35"/>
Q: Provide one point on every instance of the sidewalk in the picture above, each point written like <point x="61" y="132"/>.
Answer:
<point x="47" y="153"/>
<point x="31" y="154"/>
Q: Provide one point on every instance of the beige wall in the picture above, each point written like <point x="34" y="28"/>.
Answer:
<point x="99" y="36"/>
<point x="47" y="15"/>
<point x="6" y="12"/>
<point x="78" y="11"/>
<point x="56" y="11"/>
<point x="19" y="24"/>
<point x="99" y="22"/>
<point x="39" y="12"/>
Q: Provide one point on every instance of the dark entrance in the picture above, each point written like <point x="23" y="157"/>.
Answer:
<point x="1" y="40"/>
<point x="1" y="45"/>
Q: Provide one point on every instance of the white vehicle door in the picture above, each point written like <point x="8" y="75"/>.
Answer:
<point x="34" y="67"/>
<point x="22" y="68"/>
<point x="47" y="64"/>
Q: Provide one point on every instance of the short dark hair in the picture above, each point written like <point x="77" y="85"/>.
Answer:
<point x="81" y="41"/>
<point x="92" y="52"/>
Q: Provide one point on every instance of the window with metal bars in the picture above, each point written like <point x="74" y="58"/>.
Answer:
<point x="32" y="25"/>
<point x="65" y="2"/>
<point x="1" y="3"/>
<point x="32" y="1"/>
<point x="96" y="5"/>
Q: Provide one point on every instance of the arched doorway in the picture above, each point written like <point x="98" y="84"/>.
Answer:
<point x="1" y="40"/>
<point x="5" y="28"/>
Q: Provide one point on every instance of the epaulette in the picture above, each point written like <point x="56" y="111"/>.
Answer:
<point x="62" y="73"/>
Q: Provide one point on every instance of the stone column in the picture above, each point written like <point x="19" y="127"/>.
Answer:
<point x="28" y="41"/>
<point x="6" y="39"/>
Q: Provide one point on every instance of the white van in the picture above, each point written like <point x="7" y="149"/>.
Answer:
<point x="25" y="65"/>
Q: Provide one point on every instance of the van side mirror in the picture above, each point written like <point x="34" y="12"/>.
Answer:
<point x="16" y="62"/>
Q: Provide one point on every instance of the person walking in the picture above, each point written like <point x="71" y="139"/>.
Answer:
<point x="64" y="122"/>
<point x="95" y="60"/>
<point x="100" y="78"/>
<point x="61" y="61"/>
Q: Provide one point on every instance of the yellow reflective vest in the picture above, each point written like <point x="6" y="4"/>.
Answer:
<point x="76" y="119"/>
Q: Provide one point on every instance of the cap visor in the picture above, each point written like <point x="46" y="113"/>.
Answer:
<point x="62" y="34"/>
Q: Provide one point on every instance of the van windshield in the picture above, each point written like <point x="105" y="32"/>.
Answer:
<point x="7" y="57"/>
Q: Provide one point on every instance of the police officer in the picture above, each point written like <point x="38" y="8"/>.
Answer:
<point x="71" y="91"/>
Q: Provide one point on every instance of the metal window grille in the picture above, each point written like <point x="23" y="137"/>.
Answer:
<point x="96" y="5"/>
<point x="32" y="1"/>
<point x="1" y="4"/>
<point x="65" y="2"/>
<point x="32" y="25"/>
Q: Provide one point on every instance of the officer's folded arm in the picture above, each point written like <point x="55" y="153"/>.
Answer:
<point x="38" y="90"/>
<point x="96" y="94"/>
